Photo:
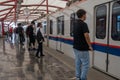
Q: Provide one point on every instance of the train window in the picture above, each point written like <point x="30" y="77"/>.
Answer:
<point x="44" y="26"/>
<point x="72" y="19"/>
<point x="115" y="32"/>
<point x="60" y="25"/>
<point x="44" y="29"/>
<point x="101" y="12"/>
<point x="51" y="27"/>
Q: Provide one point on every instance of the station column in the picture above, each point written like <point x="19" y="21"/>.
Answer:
<point x="47" y="23"/>
<point x="2" y="28"/>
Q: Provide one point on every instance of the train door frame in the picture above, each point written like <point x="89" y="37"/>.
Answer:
<point x="100" y="40"/>
<point x="114" y="42"/>
<point x="45" y="31"/>
<point x="72" y="23"/>
<point x="60" y="33"/>
<point x="111" y="48"/>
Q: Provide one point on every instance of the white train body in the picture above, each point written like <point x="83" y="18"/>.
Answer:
<point x="106" y="42"/>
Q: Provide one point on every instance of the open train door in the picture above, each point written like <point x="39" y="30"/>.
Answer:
<point x="60" y="33"/>
<point x="101" y="37"/>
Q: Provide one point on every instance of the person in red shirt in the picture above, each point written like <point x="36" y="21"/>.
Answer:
<point x="10" y="32"/>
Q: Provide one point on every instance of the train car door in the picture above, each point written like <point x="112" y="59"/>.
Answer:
<point x="114" y="39"/>
<point x="101" y="37"/>
<point x="60" y="33"/>
<point x="72" y="23"/>
<point x="45" y="31"/>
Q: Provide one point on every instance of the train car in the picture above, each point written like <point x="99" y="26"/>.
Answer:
<point x="103" y="19"/>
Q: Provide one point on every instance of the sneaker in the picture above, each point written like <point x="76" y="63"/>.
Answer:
<point x="37" y="56"/>
<point x="34" y="49"/>
<point x="42" y="55"/>
<point x="78" y="79"/>
<point x="23" y="46"/>
<point x="29" y="49"/>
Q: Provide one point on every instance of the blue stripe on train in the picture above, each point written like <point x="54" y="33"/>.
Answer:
<point x="70" y="42"/>
<point x="114" y="51"/>
<point x="102" y="48"/>
<point x="53" y="38"/>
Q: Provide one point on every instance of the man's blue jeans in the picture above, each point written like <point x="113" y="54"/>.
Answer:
<point x="81" y="63"/>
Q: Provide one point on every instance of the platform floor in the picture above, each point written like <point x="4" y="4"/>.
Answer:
<point x="17" y="63"/>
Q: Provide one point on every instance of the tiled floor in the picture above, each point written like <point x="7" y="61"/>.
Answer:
<point x="17" y="63"/>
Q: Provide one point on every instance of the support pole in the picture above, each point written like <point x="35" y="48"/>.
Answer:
<point x="47" y="23"/>
<point x="47" y="6"/>
<point x="15" y="14"/>
<point x="3" y="28"/>
<point x="48" y="30"/>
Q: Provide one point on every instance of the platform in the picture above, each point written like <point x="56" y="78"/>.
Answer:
<point x="17" y="63"/>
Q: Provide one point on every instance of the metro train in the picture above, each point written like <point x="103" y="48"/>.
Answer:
<point x="103" y="19"/>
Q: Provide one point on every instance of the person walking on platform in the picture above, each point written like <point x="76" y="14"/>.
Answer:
<point x="40" y="40"/>
<point x="81" y="45"/>
<point x="20" y="32"/>
<point x="30" y="33"/>
<point x="11" y="33"/>
<point x="16" y="35"/>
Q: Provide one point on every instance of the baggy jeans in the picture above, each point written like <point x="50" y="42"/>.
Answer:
<point x="81" y="64"/>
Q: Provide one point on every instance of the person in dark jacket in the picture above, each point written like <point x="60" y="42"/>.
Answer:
<point x="40" y="40"/>
<point x="20" y="32"/>
<point x="30" y="33"/>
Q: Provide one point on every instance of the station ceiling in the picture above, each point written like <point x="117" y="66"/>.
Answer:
<point x="12" y="10"/>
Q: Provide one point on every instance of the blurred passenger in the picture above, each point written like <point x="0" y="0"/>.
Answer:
<point x="10" y="33"/>
<point x="30" y="33"/>
<point x="7" y="35"/>
<point x="20" y="32"/>
<point x="40" y="40"/>
<point x="81" y="46"/>
<point x="16" y="35"/>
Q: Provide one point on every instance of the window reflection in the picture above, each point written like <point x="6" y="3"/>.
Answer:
<point x="115" y="32"/>
<point x="101" y="22"/>
<point x="51" y="27"/>
<point x="72" y="19"/>
<point x="60" y="25"/>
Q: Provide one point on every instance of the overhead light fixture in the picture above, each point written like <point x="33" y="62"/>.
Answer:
<point x="26" y="11"/>
<point x="20" y="1"/>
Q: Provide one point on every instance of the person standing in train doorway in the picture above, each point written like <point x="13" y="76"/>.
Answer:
<point x="40" y="40"/>
<point x="81" y="45"/>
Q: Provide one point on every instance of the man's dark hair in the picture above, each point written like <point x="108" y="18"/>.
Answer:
<point x="19" y="24"/>
<point x="33" y="22"/>
<point x="80" y="13"/>
<point x="39" y="24"/>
